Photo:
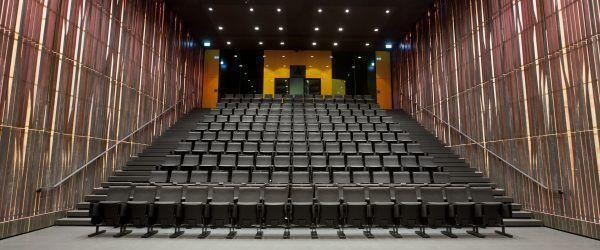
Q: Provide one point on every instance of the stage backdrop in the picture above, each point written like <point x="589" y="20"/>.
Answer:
<point x="521" y="78"/>
<point x="77" y="76"/>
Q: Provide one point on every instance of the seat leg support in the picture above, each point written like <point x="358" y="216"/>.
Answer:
<point x="122" y="232"/>
<point x="367" y="233"/>
<point x="313" y="233"/>
<point x="448" y="232"/>
<point x="205" y="233"/>
<point x="149" y="233"/>
<point x="475" y="232"/>
<point x="97" y="232"/>
<point x="394" y="232"/>
<point x="422" y="232"/>
<point x="232" y="233"/>
<point x="177" y="233"/>
<point x="259" y="234"/>
<point x="286" y="233"/>
<point x="503" y="232"/>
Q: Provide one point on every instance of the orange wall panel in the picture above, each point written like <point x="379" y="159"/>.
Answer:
<point x="210" y="83"/>
<point x="383" y="79"/>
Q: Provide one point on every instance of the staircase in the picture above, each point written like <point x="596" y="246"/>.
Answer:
<point x="139" y="167"/>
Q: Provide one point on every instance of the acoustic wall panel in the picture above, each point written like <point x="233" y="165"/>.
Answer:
<point x="77" y="76"/>
<point x="521" y="78"/>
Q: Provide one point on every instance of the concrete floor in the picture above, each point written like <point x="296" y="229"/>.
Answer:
<point x="75" y="238"/>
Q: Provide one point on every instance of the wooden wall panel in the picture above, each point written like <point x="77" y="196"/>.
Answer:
<point x="77" y="76"/>
<point x="520" y="77"/>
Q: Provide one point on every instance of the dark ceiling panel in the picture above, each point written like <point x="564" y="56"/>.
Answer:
<point x="298" y="19"/>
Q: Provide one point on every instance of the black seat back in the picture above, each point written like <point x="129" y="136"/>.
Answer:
<point x="432" y="194"/>
<point x="171" y="193"/>
<point x="196" y="194"/>
<point x="223" y="194"/>
<point x="144" y="193"/>
<point x="118" y="193"/>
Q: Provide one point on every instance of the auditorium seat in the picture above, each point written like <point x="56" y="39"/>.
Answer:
<point x="221" y="209"/>
<point x="302" y="208"/>
<point x="382" y="209"/>
<point x="275" y="208"/>
<point x="409" y="209"/>
<point x="139" y="210"/>
<point x="167" y="209"/>
<point x="488" y="211"/>
<point x="195" y="210"/>
<point x="111" y="211"/>
<point x="248" y="209"/>
<point x="355" y="210"/>
<point x="435" y="209"/>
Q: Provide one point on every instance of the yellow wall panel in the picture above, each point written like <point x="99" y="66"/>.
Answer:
<point x="210" y="83"/>
<point x="277" y="65"/>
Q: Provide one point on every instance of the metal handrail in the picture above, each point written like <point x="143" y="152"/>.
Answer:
<point x="421" y="108"/>
<point x="63" y="180"/>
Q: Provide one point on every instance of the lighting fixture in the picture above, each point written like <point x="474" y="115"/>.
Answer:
<point x="340" y="29"/>
<point x="220" y="27"/>
<point x="280" y="28"/>
<point x="256" y="28"/>
<point x="314" y="43"/>
<point x="260" y="43"/>
<point x="387" y="11"/>
<point x="207" y="44"/>
<point x="228" y="43"/>
<point x="347" y="11"/>
<point x="316" y="28"/>
<point x="367" y="44"/>
<point x="251" y="9"/>
<point x="376" y="29"/>
<point x="320" y="10"/>
<point x="282" y="43"/>
<point x="210" y="9"/>
<point x="388" y="45"/>
<point x="335" y="44"/>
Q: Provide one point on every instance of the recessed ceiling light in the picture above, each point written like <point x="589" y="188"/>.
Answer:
<point x="340" y="29"/>
<point x="314" y="43"/>
<point x="320" y="10"/>
<point x="359" y="57"/>
<point x="280" y="28"/>
<point x="335" y="44"/>
<point x="376" y="29"/>
<point x="387" y="11"/>
<point x="283" y="56"/>
<point x="251" y="9"/>
<point x="210" y="9"/>
<point x="316" y="28"/>
<point x="312" y="56"/>
<point x="256" y="28"/>
<point x="282" y="43"/>
<point x="228" y="43"/>
<point x="260" y="43"/>
<point x="347" y="11"/>
<point x="278" y="9"/>
<point x="367" y="44"/>
<point x="235" y="56"/>
<point x="220" y="27"/>
<point x="326" y="66"/>
<point x="206" y="43"/>
<point x="388" y="45"/>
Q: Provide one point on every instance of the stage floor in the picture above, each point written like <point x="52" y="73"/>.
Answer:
<point x="61" y="238"/>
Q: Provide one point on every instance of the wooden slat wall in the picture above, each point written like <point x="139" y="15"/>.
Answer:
<point x="521" y="77"/>
<point x="78" y="75"/>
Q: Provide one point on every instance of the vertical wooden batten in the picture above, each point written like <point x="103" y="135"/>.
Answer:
<point x="521" y="78"/>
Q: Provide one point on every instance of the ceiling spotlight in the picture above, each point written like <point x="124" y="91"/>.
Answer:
<point x="347" y="11"/>
<point x="367" y="44"/>
<point x="251" y="9"/>
<point x="359" y="57"/>
<point x="387" y="11"/>
<point x="260" y="43"/>
<point x="278" y="9"/>
<point x="228" y="43"/>
<point x="206" y="43"/>
<point x="282" y="43"/>
<point x="210" y="9"/>
<point x="335" y="44"/>
<point x="314" y="43"/>
<point x="376" y="29"/>
<point x="312" y="56"/>
<point x="388" y="45"/>
<point x="320" y="10"/>
<point x="283" y="56"/>
<point x="280" y="28"/>
<point x="340" y="29"/>
<point x="316" y="28"/>
<point x="256" y="28"/>
<point x="220" y="27"/>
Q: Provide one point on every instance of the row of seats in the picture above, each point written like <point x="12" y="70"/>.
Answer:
<point x="299" y="127"/>
<point x="299" y="162"/>
<point x="321" y="206"/>
<point x="297" y="109"/>
<point x="278" y="97"/>
<point x="298" y="147"/>
<point x="298" y="177"/>
<point x="299" y="118"/>
<point x="285" y="136"/>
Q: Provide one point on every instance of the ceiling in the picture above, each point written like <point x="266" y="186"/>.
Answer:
<point x="298" y="20"/>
